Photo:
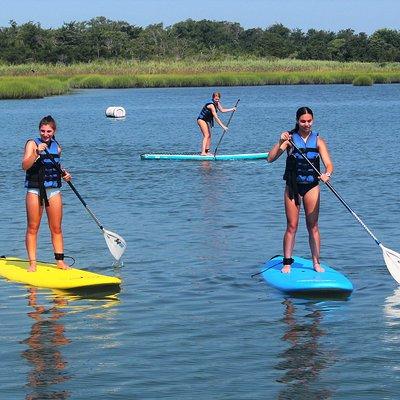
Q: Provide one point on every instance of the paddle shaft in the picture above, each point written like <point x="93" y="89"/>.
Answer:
<point x="333" y="190"/>
<point x="75" y="191"/>
<point x="229" y="121"/>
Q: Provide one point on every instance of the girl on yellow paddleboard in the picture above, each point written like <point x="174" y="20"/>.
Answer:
<point x="43" y="183"/>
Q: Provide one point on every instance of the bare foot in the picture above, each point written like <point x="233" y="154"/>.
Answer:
<point x="31" y="266"/>
<point x="286" y="269"/>
<point x="62" y="265"/>
<point x="318" y="268"/>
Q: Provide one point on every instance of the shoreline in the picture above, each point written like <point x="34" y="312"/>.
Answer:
<point x="31" y="81"/>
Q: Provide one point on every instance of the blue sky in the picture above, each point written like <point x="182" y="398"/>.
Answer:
<point x="360" y="15"/>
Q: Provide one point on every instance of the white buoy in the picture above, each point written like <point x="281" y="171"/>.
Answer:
<point x="115" y="112"/>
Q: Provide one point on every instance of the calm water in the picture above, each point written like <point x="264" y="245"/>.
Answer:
<point x="190" y="322"/>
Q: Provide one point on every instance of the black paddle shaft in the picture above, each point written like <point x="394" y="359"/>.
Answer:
<point x="229" y="121"/>
<point x="333" y="190"/>
<point x="74" y="190"/>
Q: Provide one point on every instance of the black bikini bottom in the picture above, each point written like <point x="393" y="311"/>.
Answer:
<point x="303" y="188"/>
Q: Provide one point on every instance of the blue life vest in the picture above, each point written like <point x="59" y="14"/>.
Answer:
<point x="206" y="114"/>
<point x="43" y="173"/>
<point x="295" y="163"/>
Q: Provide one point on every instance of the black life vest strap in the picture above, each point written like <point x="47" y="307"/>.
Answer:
<point x="42" y="189"/>
<point x="291" y="179"/>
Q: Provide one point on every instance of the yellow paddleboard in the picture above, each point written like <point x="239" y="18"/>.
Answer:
<point x="49" y="276"/>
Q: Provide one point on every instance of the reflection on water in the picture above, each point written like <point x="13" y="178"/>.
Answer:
<point x="205" y="168"/>
<point x="81" y="301"/>
<point x="392" y="308"/>
<point x="46" y="338"/>
<point x="305" y="358"/>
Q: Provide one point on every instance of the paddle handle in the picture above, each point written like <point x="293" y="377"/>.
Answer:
<point x="333" y="190"/>
<point x="229" y="121"/>
<point x="75" y="191"/>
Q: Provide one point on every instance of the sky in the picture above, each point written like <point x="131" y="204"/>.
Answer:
<point x="332" y="15"/>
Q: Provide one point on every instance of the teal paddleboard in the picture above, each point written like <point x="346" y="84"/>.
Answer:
<point x="198" y="157"/>
<point x="303" y="279"/>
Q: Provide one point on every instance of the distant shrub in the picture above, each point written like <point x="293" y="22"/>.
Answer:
<point x="363" y="80"/>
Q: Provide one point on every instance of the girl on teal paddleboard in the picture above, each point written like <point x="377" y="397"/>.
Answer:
<point x="206" y="118"/>
<point x="43" y="183"/>
<point x="302" y="182"/>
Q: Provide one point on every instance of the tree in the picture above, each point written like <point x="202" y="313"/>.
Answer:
<point x="316" y="45"/>
<point x="384" y="45"/>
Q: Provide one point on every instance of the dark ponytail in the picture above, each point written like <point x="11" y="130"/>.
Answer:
<point x="301" y="111"/>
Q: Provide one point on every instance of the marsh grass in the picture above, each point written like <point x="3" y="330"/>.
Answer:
<point x="191" y="66"/>
<point x="30" y="88"/>
<point x="40" y="80"/>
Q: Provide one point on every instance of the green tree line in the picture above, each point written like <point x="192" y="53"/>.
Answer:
<point x="104" y="39"/>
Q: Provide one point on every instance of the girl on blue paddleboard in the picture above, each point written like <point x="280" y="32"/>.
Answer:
<point x="43" y="183"/>
<point x="205" y="120"/>
<point x="302" y="183"/>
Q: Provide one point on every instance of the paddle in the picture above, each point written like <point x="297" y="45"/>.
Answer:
<point x="392" y="259"/>
<point x="116" y="244"/>
<point x="229" y="121"/>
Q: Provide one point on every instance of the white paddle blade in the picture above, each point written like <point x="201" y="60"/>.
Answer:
<point x="392" y="260"/>
<point x="115" y="243"/>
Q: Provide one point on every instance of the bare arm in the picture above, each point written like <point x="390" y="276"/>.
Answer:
<point x="279" y="147"/>
<point x="214" y="113"/>
<point x="224" y="110"/>
<point x="326" y="159"/>
<point x="30" y="155"/>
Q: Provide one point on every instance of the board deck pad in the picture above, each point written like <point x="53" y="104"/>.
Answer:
<point x="304" y="279"/>
<point x="198" y="157"/>
<point x="49" y="276"/>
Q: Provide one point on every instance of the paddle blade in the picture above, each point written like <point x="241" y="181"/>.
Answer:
<point x="392" y="260"/>
<point x="115" y="243"/>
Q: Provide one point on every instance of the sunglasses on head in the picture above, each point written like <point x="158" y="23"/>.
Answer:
<point x="46" y="130"/>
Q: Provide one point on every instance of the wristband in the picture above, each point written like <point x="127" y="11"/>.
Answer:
<point x="328" y="174"/>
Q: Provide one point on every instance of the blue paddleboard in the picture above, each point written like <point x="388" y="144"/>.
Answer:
<point x="303" y="279"/>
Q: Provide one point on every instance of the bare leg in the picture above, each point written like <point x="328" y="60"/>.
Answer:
<point x="208" y="142"/>
<point x="206" y="132"/>
<point x="34" y="212"/>
<point x="311" y="209"/>
<point x="54" y="215"/>
<point x="292" y="222"/>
